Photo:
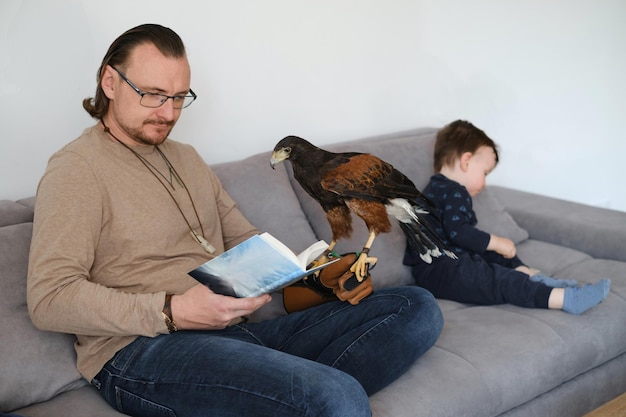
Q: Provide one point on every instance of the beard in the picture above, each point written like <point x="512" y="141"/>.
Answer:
<point x="140" y="136"/>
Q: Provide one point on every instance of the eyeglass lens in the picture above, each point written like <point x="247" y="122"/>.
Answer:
<point x="157" y="100"/>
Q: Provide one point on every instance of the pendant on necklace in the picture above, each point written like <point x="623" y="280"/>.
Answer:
<point x="203" y="242"/>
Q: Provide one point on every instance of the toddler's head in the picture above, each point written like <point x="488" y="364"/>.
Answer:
<point x="464" y="153"/>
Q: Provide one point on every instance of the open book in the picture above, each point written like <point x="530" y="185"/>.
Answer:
<point x="258" y="265"/>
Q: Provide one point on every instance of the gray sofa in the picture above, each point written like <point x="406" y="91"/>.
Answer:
<point x="489" y="361"/>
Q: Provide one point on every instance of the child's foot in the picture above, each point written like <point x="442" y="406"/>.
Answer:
<point x="554" y="282"/>
<point x="577" y="300"/>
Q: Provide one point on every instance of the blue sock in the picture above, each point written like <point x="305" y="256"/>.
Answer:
<point x="577" y="300"/>
<point x="554" y="282"/>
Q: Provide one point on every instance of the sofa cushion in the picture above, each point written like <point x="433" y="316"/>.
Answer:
<point x="36" y="365"/>
<point x="549" y="258"/>
<point x="14" y="213"/>
<point x="494" y="358"/>
<point x="597" y="231"/>
<point x="81" y="402"/>
<point x="267" y="200"/>
<point x="495" y="219"/>
<point x="592" y="270"/>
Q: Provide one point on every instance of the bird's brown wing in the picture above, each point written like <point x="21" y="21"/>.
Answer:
<point x="368" y="177"/>
<point x="357" y="177"/>
<point x="356" y="182"/>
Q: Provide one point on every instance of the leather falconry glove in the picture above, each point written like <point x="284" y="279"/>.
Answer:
<point x="344" y="282"/>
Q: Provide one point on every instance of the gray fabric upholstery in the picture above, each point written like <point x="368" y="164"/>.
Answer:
<point x="493" y="218"/>
<point x="81" y="402"/>
<point x="551" y="259"/>
<point x="265" y="197"/>
<point x="14" y="213"/>
<point x="598" y="232"/>
<point x="576" y="395"/>
<point x="267" y="200"/>
<point x="35" y="365"/>
<point x="489" y="361"/>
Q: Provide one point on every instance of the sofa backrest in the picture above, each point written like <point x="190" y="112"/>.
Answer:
<point x="36" y="365"/>
<point x="266" y="198"/>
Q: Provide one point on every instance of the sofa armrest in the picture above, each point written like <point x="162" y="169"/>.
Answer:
<point x="596" y="231"/>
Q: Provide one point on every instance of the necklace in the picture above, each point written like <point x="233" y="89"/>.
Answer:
<point x="198" y="237"/>
<point x="172" y="172"/>
<point x="170" y="168"/>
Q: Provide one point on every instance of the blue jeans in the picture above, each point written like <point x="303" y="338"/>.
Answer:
<point x="323" y="361"/>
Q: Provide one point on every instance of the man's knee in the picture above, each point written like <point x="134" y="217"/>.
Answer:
<point x="338" y="395"/>
<point x="427" y="317"/>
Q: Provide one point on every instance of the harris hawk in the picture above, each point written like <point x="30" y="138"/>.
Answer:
<point x="367" y="186"/>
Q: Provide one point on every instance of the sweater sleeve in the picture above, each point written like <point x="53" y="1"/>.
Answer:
<point x="459" y="222"/>
<point x="61" y="297"/>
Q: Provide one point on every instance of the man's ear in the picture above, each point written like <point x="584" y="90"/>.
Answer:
<point x="464" y="161"/>
<point x="107" y="82"/>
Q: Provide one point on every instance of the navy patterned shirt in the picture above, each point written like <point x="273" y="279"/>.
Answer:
<point x="457" y="218"/>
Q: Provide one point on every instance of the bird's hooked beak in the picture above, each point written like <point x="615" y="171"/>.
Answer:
<point x="279" y="156"/>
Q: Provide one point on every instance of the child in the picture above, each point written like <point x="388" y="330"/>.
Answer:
<point x="487" y="271"/>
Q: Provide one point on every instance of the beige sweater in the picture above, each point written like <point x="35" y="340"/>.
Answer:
<point x="109" y="242"/>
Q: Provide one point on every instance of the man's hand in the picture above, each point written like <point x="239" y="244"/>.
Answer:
<point x="199" y="308"/>
<point x="503" y="246"/>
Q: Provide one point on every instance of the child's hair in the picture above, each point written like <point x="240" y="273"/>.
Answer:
<point x="455" y="139"/>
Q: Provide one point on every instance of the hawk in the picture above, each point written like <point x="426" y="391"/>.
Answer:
<point x="367" y="186"/>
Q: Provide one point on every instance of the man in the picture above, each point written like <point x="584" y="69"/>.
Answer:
<point x="122" y="215"/>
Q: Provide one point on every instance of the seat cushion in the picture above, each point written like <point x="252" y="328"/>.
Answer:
<point x="490" y="359"/>
<point x="549" y="258"/>
<point x="36" y="365"/>
<point x="82" y="402"/>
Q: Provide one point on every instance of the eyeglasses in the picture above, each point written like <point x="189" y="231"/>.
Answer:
<point x="154" y="100"/>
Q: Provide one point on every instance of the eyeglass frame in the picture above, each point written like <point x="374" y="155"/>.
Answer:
<point x="166" y="97"/>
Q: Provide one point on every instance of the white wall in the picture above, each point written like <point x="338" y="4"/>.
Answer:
<point x="545" y="79"/>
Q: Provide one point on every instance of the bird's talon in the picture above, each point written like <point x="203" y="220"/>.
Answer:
<point x="360" y="268"/>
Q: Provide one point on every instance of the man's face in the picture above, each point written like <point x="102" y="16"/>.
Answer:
<point x="151" y="72"/>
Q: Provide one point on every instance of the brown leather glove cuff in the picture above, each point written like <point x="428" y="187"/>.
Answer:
<point x="356" y="293"/>
<point x="343" y="282"/>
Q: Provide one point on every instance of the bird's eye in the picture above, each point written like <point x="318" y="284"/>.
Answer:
<point x="288" y="149"/>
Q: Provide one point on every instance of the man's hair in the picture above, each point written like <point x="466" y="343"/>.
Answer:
<point x="165" y="40"/>
<point x="455" y="139"/>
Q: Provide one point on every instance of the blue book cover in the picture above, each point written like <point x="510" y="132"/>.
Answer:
<point x="258" y="265"/>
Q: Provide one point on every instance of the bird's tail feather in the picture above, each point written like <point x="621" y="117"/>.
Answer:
<point x="414" y="221"/>
<point x="420" y="234"/>
<point x="420" y="243"/>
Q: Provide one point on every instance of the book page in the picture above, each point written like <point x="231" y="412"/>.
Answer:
<point x="312" y="252"/>
<point x="280" y="247"/>
<point x="304" y="258"/>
